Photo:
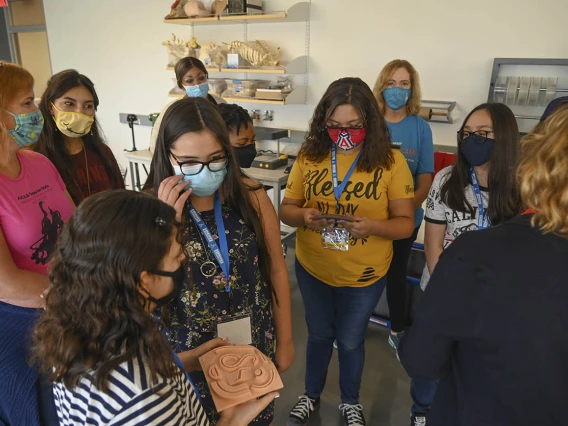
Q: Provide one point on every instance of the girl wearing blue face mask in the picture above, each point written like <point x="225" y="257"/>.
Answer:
<point x="397" y="91"/>
<point x="34" y="205"/>
<point x="192" y="77"/>
<point x="232" y="237"/>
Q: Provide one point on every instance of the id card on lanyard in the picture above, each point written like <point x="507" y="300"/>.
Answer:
<point x="482" y="217"/>
<point x="336" y="238"/>
<point x="236" y="327"/>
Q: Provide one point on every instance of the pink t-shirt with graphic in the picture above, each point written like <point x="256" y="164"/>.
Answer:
<point x="33" y="210"/>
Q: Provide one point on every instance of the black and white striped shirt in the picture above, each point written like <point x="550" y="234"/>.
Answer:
<point x="131" y="399"/>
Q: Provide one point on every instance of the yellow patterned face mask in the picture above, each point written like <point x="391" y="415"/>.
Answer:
<point x="73" y="124"/>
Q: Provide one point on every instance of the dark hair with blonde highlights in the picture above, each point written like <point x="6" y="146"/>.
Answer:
<point x="376" y="151"/>
<point x="95" y="317"/>
<point x="413" y="105"/>
<point x="543" y="175"/>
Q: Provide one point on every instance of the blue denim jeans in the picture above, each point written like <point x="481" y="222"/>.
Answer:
<point x="422" y="393"/>
<point x="342" y="314"/>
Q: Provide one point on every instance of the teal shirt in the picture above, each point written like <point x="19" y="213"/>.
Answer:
<point x="414" y="138"/>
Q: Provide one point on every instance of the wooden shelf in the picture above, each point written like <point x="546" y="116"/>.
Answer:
<point x="281" y="70"/>
<point x="297" y="13"/>
<point x="297" y="66"/>
<point x="297" y="96"/>
<point x="209" y="69"/>
<point x="238" y="99"/>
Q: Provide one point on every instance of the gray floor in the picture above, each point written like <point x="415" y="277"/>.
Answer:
<point x="385" y="388"/>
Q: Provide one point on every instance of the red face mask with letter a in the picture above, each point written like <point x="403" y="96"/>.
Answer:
<point x="347" y="138"/>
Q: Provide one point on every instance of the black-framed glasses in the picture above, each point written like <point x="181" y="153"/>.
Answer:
<point x="482" y="135"/>
<point x="354" y="131"/>
<point x="194" y="167"/>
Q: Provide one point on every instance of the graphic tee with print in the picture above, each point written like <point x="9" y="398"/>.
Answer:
<point x="414" y="138"/>
<point x="366" y="194"/>
<point x="456" y="222"/>
<point x="33" y="211"/>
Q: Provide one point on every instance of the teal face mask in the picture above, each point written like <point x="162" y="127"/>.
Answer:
<point x="396" y="97"/>
<point x="28" y="127"/>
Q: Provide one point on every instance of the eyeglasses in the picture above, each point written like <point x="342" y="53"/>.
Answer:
<point x="193" y="167"/>
<point x="354" y="131"/>
<point x="483" y="135"/>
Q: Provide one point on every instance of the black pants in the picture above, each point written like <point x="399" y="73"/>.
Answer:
<point x="397" y="294"/>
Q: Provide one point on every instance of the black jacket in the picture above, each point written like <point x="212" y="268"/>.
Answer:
<point x="493" y="326"/>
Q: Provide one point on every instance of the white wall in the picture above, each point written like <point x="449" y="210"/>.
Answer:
<point x="452" y="43"/>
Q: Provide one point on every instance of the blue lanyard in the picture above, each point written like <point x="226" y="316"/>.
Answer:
<point x="222" y="254"/>
<point x="482" y="218"/>
<point x="338" y="189"/>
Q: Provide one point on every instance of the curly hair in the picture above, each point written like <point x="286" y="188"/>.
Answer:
<point x="376" y="150"/>
<point x="542" y="173"/>
<point x="95" y="317"/>
<point x="413" y="105"/>
<point x="235" y="117"/>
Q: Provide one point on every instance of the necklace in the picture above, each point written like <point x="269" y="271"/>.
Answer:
<point x="208" y="268"/>
<point x="86" y="170"/>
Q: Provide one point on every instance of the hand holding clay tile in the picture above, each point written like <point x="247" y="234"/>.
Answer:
<point x="237" y="374"/>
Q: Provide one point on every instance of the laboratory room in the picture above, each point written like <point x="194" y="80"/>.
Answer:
<point x="283" y="213"/>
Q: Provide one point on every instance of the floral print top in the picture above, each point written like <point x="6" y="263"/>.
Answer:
<point x="194" y="314"/>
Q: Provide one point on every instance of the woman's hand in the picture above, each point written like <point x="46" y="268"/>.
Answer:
<point x="190" y="359"/>
<point x="315" y="225"/>
<point x="170" y="190"/>
<point x="244" y="414"/>
<point x="361" y="227"/>
<point x="285" y="354"/>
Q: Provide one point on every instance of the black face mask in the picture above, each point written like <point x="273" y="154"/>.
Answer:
<point x="476" y="153"/>
<point x="178" y="277"/>
<point x="245" y="155"/>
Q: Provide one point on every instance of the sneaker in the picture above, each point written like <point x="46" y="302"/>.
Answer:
<point x="418" y="419"/>
<point x="352" y="414"/>
<point x="335" y="344"/>
<point x="302" y="411"/>
<point x="394" y="340"/>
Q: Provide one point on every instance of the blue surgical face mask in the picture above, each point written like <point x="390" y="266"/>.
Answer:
<point x="197" y="91"/>
<point x="28" y="127"/>
<point x="205" y="183"/>
<point x="396" y="97"/>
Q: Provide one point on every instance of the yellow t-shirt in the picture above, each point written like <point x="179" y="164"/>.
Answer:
<point x="366" y="194"/>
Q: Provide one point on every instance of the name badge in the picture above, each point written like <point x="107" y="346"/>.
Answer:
<point x="335" y="238"/>
<point x="237" y="328"/>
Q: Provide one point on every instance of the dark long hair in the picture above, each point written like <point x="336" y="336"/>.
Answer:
<point x="376" y="150"/>
<point x="190" y="115"/>
<point x="51" y="142"/>
<point x="95" y="317"/>
<point x="504" y="200"/>
<point x="184" y="65"/>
